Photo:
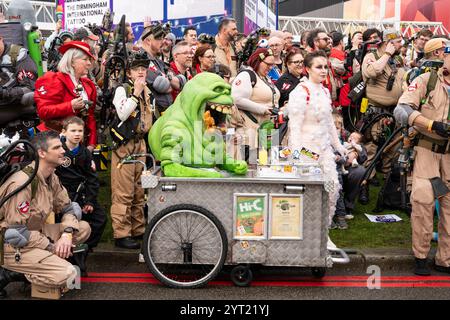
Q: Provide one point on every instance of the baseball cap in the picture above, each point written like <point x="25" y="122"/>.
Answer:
<point x="80" y="45"/>
<point x="435" y="44"/>
<point x="391" y="34"/>
<point x="84" y="33"/>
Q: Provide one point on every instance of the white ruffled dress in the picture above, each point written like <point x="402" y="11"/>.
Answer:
<point x="312" y="127"/>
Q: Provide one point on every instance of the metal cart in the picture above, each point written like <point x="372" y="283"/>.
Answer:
<point x="193" y="230"/>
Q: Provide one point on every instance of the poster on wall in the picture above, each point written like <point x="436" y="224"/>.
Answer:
<point x="250" y="216"/>
<point x="260" y="14"/>
<point x="286" y="216"/>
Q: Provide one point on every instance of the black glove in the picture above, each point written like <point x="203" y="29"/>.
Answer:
<point x="441" y="128"/>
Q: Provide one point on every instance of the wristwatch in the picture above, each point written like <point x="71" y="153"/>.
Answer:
<point x="68" y="230"/>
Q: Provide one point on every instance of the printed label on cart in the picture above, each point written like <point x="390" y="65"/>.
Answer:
<point x="250" y="215"/>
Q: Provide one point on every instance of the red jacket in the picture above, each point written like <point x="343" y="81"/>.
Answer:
<point x="175" y="70"/>
<point x="53" y="96"/>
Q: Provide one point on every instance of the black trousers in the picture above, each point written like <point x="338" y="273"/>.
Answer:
<point x="97" y="221"/>
<point x="351" y="185"/>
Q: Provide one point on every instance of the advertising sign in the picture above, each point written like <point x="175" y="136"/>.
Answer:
<point x="286" y="216"/>
<point x="250" y="212"/>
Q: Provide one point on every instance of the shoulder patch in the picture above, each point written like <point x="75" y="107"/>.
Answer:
<point x="42" y="90"/>
<point x="66" y="162"/>
<point x="286" y="86"/>
<point x="238" y="82"/>
<point x="23" y="207"/>
<point x="412" y="87"/>
<point x="25" y="74"/>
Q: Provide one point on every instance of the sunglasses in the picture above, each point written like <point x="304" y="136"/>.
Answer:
<point x="297" y="62"/>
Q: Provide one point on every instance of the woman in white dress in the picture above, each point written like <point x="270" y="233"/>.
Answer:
<point x="311" y="125"/>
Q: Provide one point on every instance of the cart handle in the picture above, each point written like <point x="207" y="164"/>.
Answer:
<point x="130" y="159"/>
<point x="300" y="188"/>
<point x="344" y="256"/>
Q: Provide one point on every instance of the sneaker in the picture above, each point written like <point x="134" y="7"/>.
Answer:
<point x="422" y="268"/>
<point x="333" y="225"/>
<point x="341" y="223"/>
<point x="349" y="215"/>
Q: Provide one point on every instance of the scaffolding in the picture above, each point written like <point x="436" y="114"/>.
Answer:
<point x="44" y="11"/>
<point x="296" y="25"/>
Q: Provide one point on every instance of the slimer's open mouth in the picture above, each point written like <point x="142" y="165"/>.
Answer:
<point x="215" y="117"/>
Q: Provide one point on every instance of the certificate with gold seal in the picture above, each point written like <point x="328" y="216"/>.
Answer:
<point x="286" y="216"/>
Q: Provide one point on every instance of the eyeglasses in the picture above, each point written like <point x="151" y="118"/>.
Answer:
<point x="186" y="53"/>
<point x="269" y="64"/>
<point x="297" y="62"/>
<point x="209" y="57"/>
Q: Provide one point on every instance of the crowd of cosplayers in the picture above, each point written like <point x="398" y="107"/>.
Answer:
<point x="65" y="104"/>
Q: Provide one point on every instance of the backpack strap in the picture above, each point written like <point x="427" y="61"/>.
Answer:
<point x="34" y="183"/>
<point x="252" y="75"/>
<point x="431" y="84"/>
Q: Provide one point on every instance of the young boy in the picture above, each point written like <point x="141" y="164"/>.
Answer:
<point x="81" y="181"/>
<point x="129" y="130"/>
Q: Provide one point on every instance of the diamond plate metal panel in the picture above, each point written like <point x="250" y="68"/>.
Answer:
<point x="217" y="197"/>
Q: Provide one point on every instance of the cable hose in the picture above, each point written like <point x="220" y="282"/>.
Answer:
<point x="378" y="155"/>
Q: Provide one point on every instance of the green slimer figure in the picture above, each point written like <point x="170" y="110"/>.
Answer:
<point x="185" y="138"/>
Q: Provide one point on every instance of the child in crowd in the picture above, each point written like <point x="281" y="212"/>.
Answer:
<point x="79" y="178"/>
<point x="339" y="215"/>
<point x="353" y="145"/>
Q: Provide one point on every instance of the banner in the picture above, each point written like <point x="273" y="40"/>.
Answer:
<point x="78" y="13"/>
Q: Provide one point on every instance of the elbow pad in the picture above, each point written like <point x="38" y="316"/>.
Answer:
<point x="17" y="236"/>
<point x="161" y="84"/>
<point x="182" y="80"/>
<point x="27" y="99"/>
<point x="402" y="113"/>
<point x="74" y="209"/>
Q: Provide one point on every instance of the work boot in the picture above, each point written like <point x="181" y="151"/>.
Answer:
<point x="364" y="194"/>
<point x="7" y="276"/>
<point x="422" y="268"/>
<point x="79" y="259"/>
<point x="127" y="243"/>
<point x="341" y="223"/>
<point x="441" y="268"/>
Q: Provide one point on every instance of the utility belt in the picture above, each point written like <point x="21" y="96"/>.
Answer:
<point x="437" y="146"/>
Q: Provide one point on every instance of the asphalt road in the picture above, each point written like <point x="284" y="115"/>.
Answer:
<point x="123" y="278"/>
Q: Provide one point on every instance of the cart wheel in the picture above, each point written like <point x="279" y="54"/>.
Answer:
<point x="185" y="246"/>
<point x="241" y="276"/>
<point x="318" y="272"/>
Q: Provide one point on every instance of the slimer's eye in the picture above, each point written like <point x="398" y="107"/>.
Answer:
<point x="218" y="89"/>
